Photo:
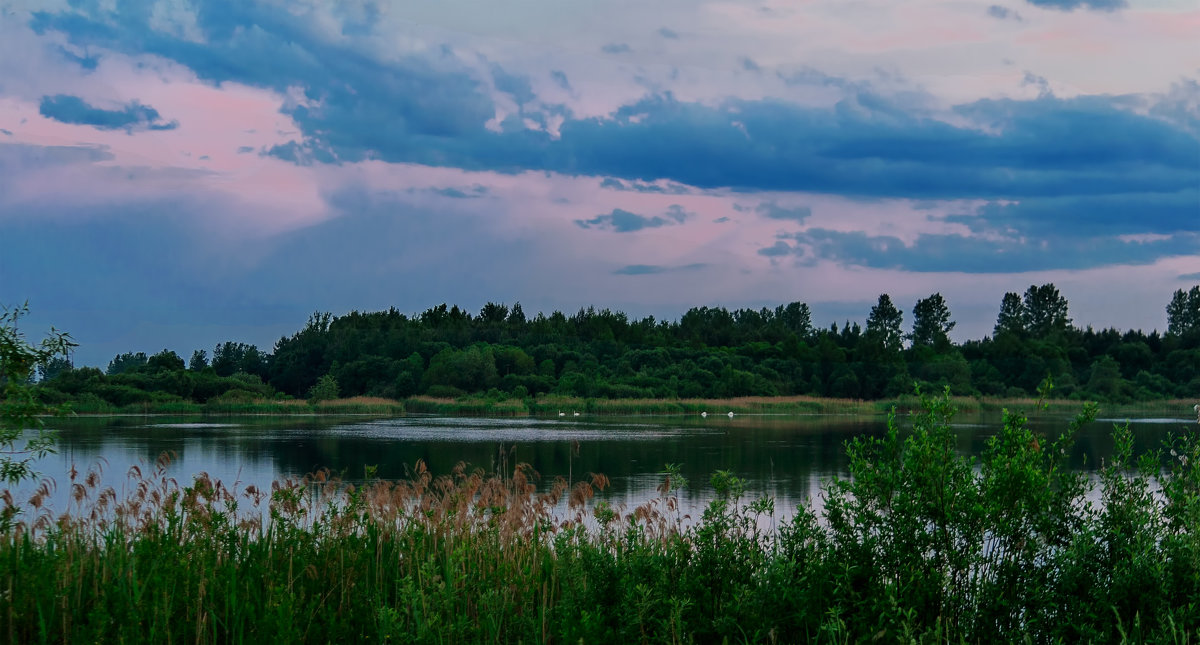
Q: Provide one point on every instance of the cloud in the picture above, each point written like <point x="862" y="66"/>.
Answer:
<point x="777" y="250"/>
<point x="661" y="187"/>
<point x="474" y="192"/>
<point x="771" y="210"/>
<point x="623" y="221"/>
<point x="654" y="269"/>
<point x="668" y="33"/>
<point x="1071" y="5"/>
<point x="432" y="108"/>
<point x="560" y="79"/>
<point x="749" y="65"/>
<point x="616" y="48"/>
<point x="721" y="220"/>
<point x="245" y="149"/>
<point x="72" y="109"/>
<point x="1002" y="13"/>
<point x="1088" y="215"/>
<point x="1190" y="276"/>
<point x="966" y="254"/>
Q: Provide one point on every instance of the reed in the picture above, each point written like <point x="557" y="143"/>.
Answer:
<point x="919" y="544"/>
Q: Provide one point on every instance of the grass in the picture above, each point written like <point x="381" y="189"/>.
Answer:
<point x="918" y="544"/>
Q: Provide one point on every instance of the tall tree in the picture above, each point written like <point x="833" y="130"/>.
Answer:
<point x="931" y="323"/>
<point x="199" y="360"/>
<point x="1183" y="312"/>
<point x="1012" y="316"/>
<point x="1045" y="310"/>
<point x="884" y="324"/>
<point x="796" y="318"/>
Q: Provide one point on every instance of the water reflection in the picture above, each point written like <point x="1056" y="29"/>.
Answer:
<point x="787" y="457"/>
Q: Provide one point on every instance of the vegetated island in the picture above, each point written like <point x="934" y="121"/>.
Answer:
<point x="502" y="362"/>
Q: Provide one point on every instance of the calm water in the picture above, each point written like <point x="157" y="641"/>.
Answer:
<point x="788" y="457"/>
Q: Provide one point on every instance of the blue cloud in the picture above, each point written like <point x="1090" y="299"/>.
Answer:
<point x="623" y="221"/>
<point x="6" y="132"/>
<point x="1190" y="276"/>
<point x="654" y="269"/>
<point x="1089" y="215"/>
<point x="560" y="79"/>
<point x="72" y="109"/>
<point x="86" y="61"/>
<point x="956" y="253"/>
<point x="776" y="250"/>
<point x="749" y="65"/>
<point x="245" y="149"/>
<point x="432" y="110"/>
<point x="616" y="48"/>
<point x="667" y="33"/>
<point x="720" y="220"/>
<point x="644" y="187"/>
<point x="1071" y="5"/>
<point x="1002" y="13"/>
<point x="771" y="210"/>
<point x="474" y="192"/>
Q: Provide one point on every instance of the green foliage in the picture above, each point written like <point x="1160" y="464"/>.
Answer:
<point x="919" y="544"/>
<point x="884" y="324"/>
<point x="931" y="323"/>
<point x="711" y="352"/>
<point x="326" y="389"/>
<point x="1183" y="312"/>
<point x="20" y="408"/>
<point x="1012" y="317"/>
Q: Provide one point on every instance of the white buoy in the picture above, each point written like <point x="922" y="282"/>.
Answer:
<point x="704" y="414"/>
<point x="731" y="414"/>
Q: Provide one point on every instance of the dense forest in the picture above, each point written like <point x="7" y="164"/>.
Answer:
<point x="710" y="352"/>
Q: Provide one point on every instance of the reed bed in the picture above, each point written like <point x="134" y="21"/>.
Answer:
<point x="919" y="545"/>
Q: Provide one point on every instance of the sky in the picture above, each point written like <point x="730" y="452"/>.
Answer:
<point x="178" y="173"/>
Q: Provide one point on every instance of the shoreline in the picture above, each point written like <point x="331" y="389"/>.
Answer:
<point x="551" y="406"/>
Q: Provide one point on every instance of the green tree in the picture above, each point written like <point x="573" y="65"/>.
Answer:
<point x="199" y="360"/>
<point x="1183" y="312"/>
<point x="164" y="361"/>
<point x="126" y="362"/>
<point x="53" y="366"/>
<point x="796" y="318"/>
<point x="931" y="323"/>
<point x="20" y="410"/>
<point x="1012" y="316"/>
<point x="326" y="389"/>
<point x="1045" y="310"/>
<point x="884" y="324"/>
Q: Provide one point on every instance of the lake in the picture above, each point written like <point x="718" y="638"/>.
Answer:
<point x="785" y="456"/>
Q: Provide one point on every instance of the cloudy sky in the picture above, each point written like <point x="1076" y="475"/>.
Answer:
<point x="175" y="173"/>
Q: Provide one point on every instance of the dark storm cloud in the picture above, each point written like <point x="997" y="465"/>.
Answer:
<point x="72" y="109"/>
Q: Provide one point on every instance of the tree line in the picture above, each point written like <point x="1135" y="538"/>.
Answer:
<point x="710" y="352"/>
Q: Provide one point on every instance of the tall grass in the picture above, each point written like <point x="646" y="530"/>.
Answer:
<point x="919" y="544"/>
